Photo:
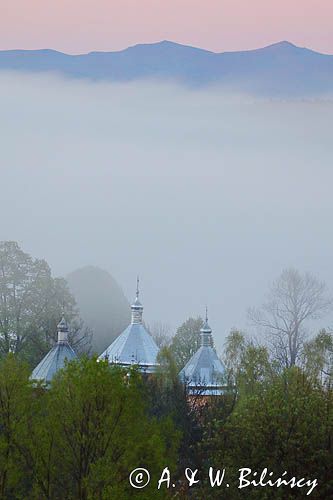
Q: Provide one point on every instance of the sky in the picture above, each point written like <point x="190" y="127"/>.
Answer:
<point x="78" y="26"/>
<point x="207" y="196"/>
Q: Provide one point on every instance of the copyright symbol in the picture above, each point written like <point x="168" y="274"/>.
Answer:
<point x="139" y="478"/>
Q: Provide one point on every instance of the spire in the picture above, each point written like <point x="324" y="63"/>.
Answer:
<point x="137" y="308"/>
<point x="206" y="333"/>
<point x="62" y="331"/>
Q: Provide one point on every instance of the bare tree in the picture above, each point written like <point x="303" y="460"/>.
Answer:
<point x="293" y="300"/>
<point x="161" y="332"/>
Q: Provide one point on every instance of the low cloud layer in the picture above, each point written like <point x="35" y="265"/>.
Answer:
<point x="206" y="195"/>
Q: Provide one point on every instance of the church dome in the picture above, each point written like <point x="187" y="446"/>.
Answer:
<point x="204" y="373"/>
<point x="55" y="359"/>
<point x="134" y="346"/>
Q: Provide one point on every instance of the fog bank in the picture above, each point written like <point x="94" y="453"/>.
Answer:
<point x="206" y="195"/>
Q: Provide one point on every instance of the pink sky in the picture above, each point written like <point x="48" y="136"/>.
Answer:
<point x="76" y="26"/>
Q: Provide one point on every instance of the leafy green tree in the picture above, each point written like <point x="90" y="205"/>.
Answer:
<point x="318" y="356"/>
<point x="168" y="400"/>
<point x="233" y="354"/>
<point x="255" y="368"/>
<point x="96" y="431"/>
<point x="284" y="424"/>
<point x="247" y="363"/>
<point x="31" y="304"/>
<point x="15" y="404"/>
<point x="186" y="341"/>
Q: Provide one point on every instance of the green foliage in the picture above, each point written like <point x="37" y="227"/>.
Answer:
<point x="31" y="305"/>
<point x="255" y="368"/>
<point x="246" y="362"/>
<point x="168" y="401"/>
<point x="284" y="423"/>
<point x="81" y="438"/>
<point x="15" y="404"/>
<point x="186" y="341"/>
<point x="101" y="432"/>
<point x="318" y="356"/>
<point x="234" y="350"/>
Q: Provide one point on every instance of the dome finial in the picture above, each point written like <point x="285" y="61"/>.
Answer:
<point x="206" y="332"/>
<point x="137" y="307"/>
<point x="63" y="330"/>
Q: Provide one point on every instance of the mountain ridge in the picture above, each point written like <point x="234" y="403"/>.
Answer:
<point x="279" y="69"/>
<point x="281" y="43"/>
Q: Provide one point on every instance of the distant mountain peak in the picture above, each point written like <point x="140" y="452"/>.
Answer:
<point x="165" y="44"/>
<point x="283" y="46"/>
<point x="284" y="43"/>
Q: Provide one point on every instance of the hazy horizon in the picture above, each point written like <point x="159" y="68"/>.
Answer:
<point x="219" y="25"/>
<point x="120" y="49"/>
<point x="206" y="195"/>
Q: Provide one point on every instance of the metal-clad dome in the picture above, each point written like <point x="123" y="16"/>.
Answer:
<point x="134" y="346"/>
<point x="52" y="362"/>
<point x="56" y="357"/>
<point x="204" y="373"/>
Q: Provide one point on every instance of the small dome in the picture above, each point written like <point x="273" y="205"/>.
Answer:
<point x="56" y="358"/>
<point x="137" y="307"/>
<point x="62" y="326"/>
<point x="137" y="304"/>
<point x="206" y="328"/>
